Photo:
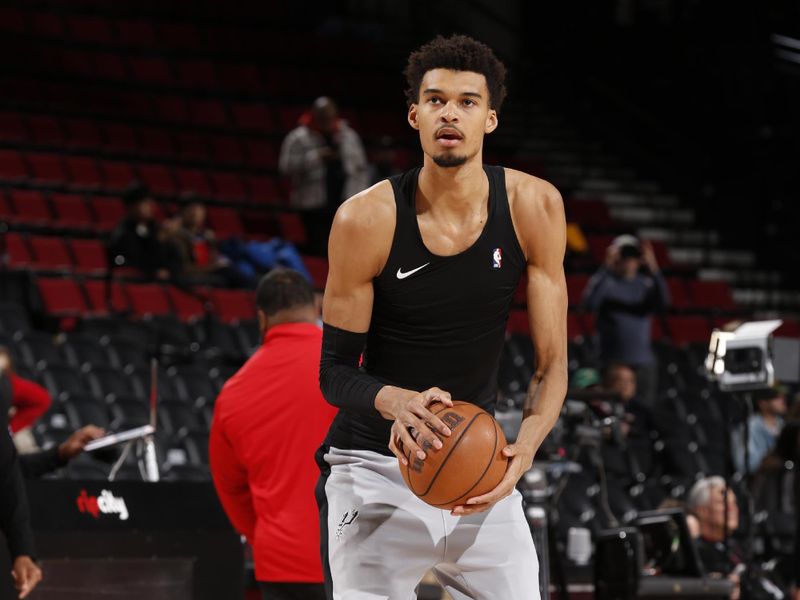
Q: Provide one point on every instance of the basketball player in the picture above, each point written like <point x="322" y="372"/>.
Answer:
<point x="423" y="268"/>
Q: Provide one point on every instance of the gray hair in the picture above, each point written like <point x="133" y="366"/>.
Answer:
<point x="700" y="494"/>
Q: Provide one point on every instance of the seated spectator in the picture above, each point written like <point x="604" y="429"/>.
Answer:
<point x="192" y="251"/>
<point x="621" y="379"/>
<point x="764" y="428"/>
<point x="137" y="240"/>
<point x="707" y="502"/>
<point x="37" y="464"/>
<point x="29" y="400"/>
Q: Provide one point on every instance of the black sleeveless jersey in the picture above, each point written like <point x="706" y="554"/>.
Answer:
<point x="437" y="320"/>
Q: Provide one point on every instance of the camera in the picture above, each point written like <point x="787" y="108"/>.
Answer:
<point x="741" y="359"/>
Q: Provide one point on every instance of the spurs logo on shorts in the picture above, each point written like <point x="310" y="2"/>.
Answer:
<point x="347" y="519"/>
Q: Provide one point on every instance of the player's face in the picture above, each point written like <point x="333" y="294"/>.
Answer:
<point x="452" y="115"/>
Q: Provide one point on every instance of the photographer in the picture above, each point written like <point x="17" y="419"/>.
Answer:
<point x="625" y="293"/>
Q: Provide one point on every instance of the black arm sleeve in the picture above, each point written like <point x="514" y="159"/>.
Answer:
<point x="40" y="463"/>
<point x="341" y="380"/>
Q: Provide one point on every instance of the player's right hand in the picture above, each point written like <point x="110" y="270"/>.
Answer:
<point x="414" y="425"/>
<point x="26" y="574"/>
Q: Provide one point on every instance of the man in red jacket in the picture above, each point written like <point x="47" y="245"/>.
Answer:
<point x="29" y="400"/>
<point x="269" y="420"/>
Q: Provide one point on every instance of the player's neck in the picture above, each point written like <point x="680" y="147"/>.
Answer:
<point x="455" y="188"/>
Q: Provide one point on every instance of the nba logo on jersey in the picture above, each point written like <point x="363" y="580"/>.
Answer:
<point x="497" y="258"/>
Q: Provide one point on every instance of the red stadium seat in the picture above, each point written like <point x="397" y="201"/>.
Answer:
<point x="47" y="24"/>
<point x="590" y="214"/>
<point x="46" y="130"/>
<point x="83" y="133"/>
<point x="71" y="211"/>
<point x="117" y="175"/>
<point x="61" y="297"/>
<point x="197" y="74"/>
<point x="208" y="113"/>
<point x="678" y="292"/>
<point x="711" y="295"/>
<point x="18" y="252"/>
<point x="13" y="19"/>
<point x="120" y="137"/>
<point x="263" y="189"/>
<point x="598" y="245"/>
<point x="576" y="284"/>
<point x="233" y="305"/>
<point x="240" y="78"/>
<point x="108" y="212"/>
<point x="574" y="329"/>
<point x="262" y="154"/>
<point x="150" y="70"/>
<point x="172" y="109"/>
<point x="157" y="178"/>
<point x="226" y="150"/>
<point x="50" y="252"/>
<point x="290" y="115"/>
<point x="12" y="167"/>
<point x="318" y="269"/>
<point x="137" y="33"/>
<point x="84" y="172"/>
<point x="687" y="329"/>
<point x="30" y="207"/>
<point x="148" y="299"/>
<point x="225" y="222"/>
<point x="193" y="146"/>
<point x="193" y="180"/>
<point x="181" y="36"/>
<point x="47" y="168"/>
<point x="253" y="117"/>
<point x="155" y="141"/>
<point x="90" y="256"/>
<point x="90" y="29"/>
<point x="12" y="127"/>
<point x="228" y="185"/>
<point x="662" y="254"/>
<point x="292" y="228"/>
<point x="98" y="294"/>
<point x="518" y="322"/>
<point x="110" y="66"/>
<point x="790" y="328"/>
<point x="188" y="306"/>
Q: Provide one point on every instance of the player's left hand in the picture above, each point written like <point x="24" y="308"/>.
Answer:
<point x="520" y="460"/>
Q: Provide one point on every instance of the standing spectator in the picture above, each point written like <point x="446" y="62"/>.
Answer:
<point x="14" y="511"/>
<point x="325" y="159"/>
<point x="268" y="421"/>
<point x="625" y="293"/>
<point x="29" y="400"/>
<point x="764" y="428"/>
<point x="137" y="240"/>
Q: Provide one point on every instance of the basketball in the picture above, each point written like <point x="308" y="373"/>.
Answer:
<point x="469" y="463"/>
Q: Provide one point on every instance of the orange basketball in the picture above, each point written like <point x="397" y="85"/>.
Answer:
<point x="469" y="463"/>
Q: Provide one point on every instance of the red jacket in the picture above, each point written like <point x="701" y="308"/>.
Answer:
<point x="269" y="420"/>
<point x="29" y="400"/>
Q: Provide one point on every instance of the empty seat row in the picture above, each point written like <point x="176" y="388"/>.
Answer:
<point x="69" y="297"/>
<point x="114" y="176"/>
<point x="143" y="141"/>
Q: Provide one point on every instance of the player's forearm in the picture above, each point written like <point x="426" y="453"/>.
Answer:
<point x="543" y="402"/>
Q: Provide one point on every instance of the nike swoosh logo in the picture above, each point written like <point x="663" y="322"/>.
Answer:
<point x="401" y="275"/>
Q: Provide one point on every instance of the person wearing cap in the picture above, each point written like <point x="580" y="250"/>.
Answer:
<point x="625" y="293"/>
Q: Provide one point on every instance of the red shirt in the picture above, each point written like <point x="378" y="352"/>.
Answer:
<point x="269" y="420"/>
<point x="30" y="401"/>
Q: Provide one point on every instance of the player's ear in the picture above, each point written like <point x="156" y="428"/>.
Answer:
<point x="491" y="121"/>
<point x="412" y="116"/>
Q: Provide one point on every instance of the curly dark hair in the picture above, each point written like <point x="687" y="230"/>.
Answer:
<point x="459" y="53"/>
